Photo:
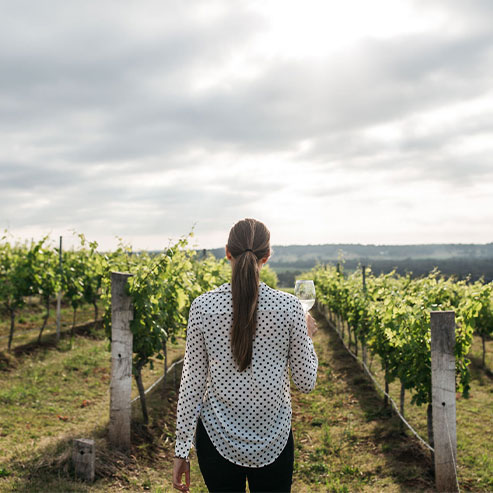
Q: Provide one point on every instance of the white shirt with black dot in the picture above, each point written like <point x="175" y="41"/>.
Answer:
<point x="247" y="415"/>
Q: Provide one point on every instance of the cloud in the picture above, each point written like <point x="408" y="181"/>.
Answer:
<point x="145" y="117"/>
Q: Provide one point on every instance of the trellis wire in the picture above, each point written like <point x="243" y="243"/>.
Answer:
<point x="413" y="431"/>
<point x="48" y="328"/>
<point x="452" y="451"/>
<point x="176" y="363"/>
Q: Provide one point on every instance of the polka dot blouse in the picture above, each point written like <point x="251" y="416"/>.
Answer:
<point x="247" y="415"/>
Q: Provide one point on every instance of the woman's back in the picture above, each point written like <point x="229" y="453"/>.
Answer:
<point x="242" y="340"/>
<point x="247" y="414"/>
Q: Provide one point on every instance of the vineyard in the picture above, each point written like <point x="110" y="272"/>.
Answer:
<point x="384" y="320"/>
<point x="389" y="315"/>
<point x="162" y="285"/>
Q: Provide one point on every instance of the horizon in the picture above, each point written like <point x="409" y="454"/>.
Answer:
<point x="372" y="244"/>
<point x="71" y="241"/>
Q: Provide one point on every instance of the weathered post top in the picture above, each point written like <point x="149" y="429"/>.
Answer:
<point x="443" y="331"/>
<point x="83" y="458"/>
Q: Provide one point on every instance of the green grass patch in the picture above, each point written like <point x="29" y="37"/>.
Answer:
<point x="345" y="440"/>
<point x="343" y="451"/>
<point x="30" y="319"/>
<point x="62" y="394"/>
<point x="474" y="418"/>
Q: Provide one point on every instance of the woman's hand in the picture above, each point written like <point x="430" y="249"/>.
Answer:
<point x="311" y="324"/>
<point x="180" y="467"/>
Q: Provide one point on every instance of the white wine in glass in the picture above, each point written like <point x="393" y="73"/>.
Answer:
<point x="305" y="292"/>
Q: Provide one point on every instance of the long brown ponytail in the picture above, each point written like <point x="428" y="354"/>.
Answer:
<point x="248" y="242"/>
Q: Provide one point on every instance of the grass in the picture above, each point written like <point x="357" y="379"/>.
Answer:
<point x="30" y="319"/>
<point x="345" y="440"/>
<point x="289" y="290"/>
<point x="474" y="417"/>
<point x="63" y="393"/>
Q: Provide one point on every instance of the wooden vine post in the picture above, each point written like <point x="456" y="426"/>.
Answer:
<point x="59" y="295"/>
<point x="363" y="341"/>
<point x="443" y="399"/>
<point x="165" y="376"/>
<point x="121" y="362"/>
<point x="83" y="458"/>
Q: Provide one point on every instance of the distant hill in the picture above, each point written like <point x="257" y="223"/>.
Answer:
<point x="462" y="260"/>
<point x="297" y="253"/>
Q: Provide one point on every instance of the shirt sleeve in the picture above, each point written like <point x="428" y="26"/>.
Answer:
<point x="193" y="383"/>
<point x="303" y="360"/>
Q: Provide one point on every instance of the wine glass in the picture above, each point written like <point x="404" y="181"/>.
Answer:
<point x="305" y="292"/>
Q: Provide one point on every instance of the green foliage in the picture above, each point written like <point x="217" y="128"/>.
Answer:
<point x="47" y="278"/>
<point x="268" y="276"/>
<point x="210" y="273"/>
<point x="477" y="308"/>
<point x="19" y="272"/>
<point x="20" y="275"/>
<point x="82" y="272"/>
<point x="162" y="288"/>
<point x="391" y="315"/>
<point x="159" y="289"/>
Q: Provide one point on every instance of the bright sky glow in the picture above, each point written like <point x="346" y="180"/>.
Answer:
<point x="354" y="121"/>
<point x="317" y="28"/>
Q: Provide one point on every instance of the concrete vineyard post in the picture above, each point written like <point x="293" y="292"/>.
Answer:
<point x="443" y="399"/>
<point x="121" y="362"/>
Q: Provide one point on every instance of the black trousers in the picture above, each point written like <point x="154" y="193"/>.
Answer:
<point x="221" y="475"/>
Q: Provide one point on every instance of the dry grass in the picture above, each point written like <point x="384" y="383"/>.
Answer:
<point x="52" y="395"/>
<point x="474" y="420"/>
<point x="30" y="319"/>
<point x="345" y="440"/>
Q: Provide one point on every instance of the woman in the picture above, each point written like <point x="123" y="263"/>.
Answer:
<point x="241" y="339"/>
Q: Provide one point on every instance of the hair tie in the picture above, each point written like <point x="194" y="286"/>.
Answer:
<point x="248" y="250"/>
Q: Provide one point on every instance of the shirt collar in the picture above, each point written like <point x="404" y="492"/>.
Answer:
<point x="227" y="286"/>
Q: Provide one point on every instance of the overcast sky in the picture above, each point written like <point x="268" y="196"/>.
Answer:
<point x="332" y="122"/>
